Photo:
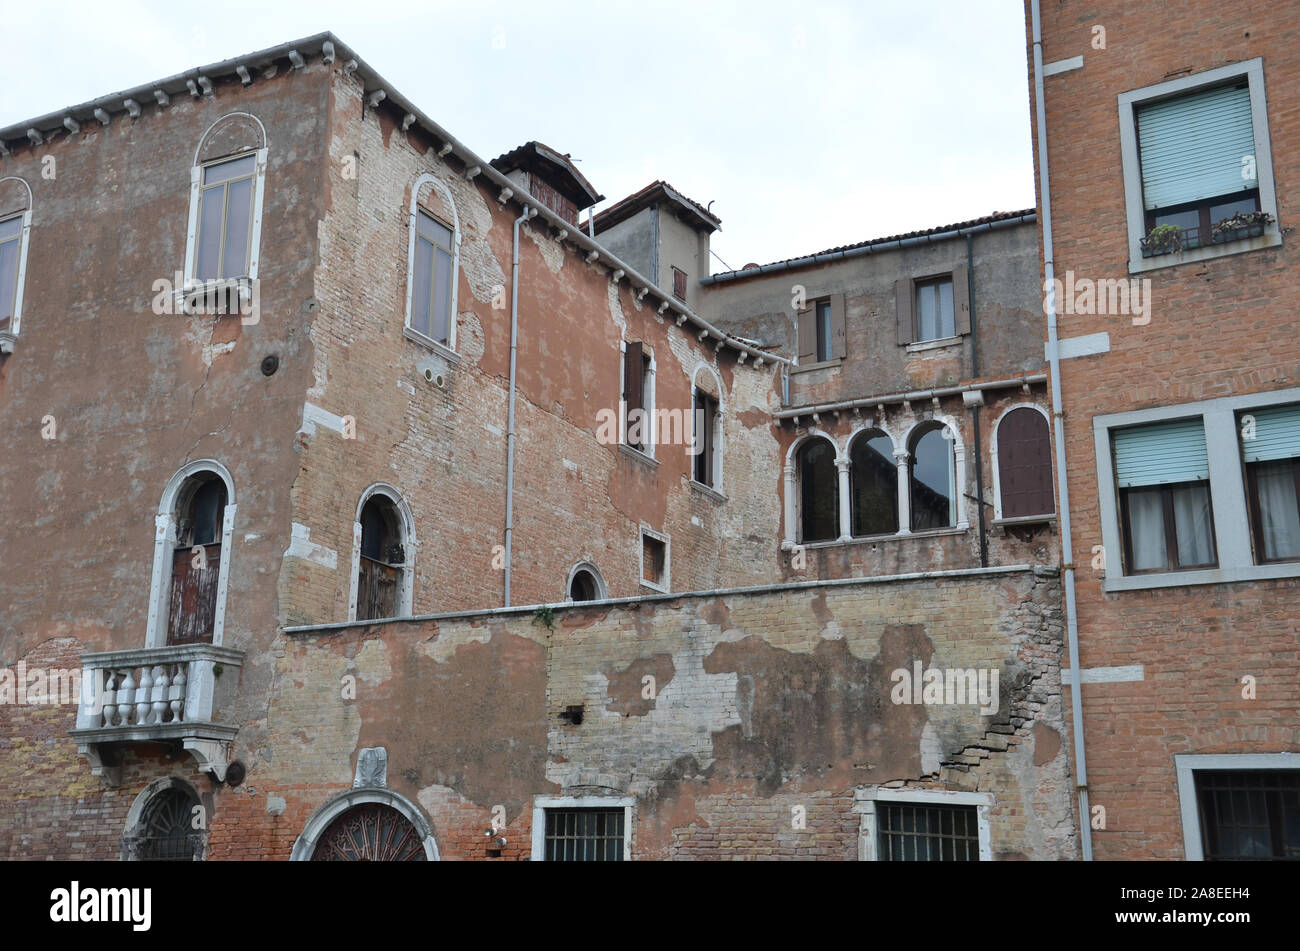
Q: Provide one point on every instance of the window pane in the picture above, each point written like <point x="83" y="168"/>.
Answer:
<point x="946" y="325"/>
<point x="421" y="284"/>
<point x="1278" y="514"/>
<point x="1192" y="524"/>
<point x="931" y="481"/>
<point x="11" y="227"/>
<point x="873" y="481"/>
<point x="926" y="312"/>
<point x="211" y="206"/>
<point x="8" y="278"/>
<point x="824" y="330"/>
<point x="224" y="172"/>
<point x="1146" y="526"/>
<point x="433" y="230"/>
<point x="1230" y="208"/>
<point x="239" y="217"/>
<point x="819" y="491"/>
<point x="442" y="296"/>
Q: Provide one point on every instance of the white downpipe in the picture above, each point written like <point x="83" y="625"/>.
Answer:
<point x="510" y="422"/>
<point x="1058" y="418"/>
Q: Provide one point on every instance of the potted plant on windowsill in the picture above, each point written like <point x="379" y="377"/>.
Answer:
<point x="1163" y="239"/>
<point x="1244" y="224"/>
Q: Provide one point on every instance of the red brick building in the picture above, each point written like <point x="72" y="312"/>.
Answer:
<point x="1166" y="180"/>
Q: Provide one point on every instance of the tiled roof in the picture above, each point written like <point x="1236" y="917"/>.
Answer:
<point x="655" y="191"/>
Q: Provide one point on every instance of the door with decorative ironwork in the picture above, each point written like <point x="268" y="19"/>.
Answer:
<point x="370" y="833"/>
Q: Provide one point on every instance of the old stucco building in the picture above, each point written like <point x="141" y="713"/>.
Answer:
<point x="329" y="479"/>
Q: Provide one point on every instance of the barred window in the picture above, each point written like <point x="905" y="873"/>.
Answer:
<point x="1249" y="815"/>
<point x="913" y="832"/>
<point x="584" y="835"/>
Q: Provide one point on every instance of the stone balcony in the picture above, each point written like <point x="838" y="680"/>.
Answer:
<point x="175" y="696"/>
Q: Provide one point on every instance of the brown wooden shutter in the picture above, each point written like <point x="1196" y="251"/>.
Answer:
<point x="1025" y="464"/>
<point x="961" y="298"/>
<point x="633" y="380"/>
<point x="679" y="283"/>
<point x="837" y="325"/>
<point x="807" y="330"/>
<point x="193" y="597"/>
<point x="903" y="300"/>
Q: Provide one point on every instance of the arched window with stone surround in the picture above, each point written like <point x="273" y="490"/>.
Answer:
<point x="706" y="428"/>
<point x="585" y="583"/>
<point x="15" y="231"/>
<point x="873" y="483"/>
<point x="382" y="557"/>
<point x="432" y="264"/>
<point x="160" y="825"/>
<point x="818" y="490"/>
<point x="932" y="477"/>
<point x="194" y="528"/>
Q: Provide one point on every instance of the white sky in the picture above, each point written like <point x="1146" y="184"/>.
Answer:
<point x="808" y="123"/>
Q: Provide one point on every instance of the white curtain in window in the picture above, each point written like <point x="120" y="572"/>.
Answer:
<point x="1192" y="524"/>
<point x="1146" y="516"/>
<point x="1278" y="513"/>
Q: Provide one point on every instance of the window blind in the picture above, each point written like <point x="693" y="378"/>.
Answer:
<point x="1161" y="455"/>
<point x="1192" y="147"/>
<point x="1268" y="435"/>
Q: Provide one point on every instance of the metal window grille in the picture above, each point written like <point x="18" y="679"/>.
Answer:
<point x="584" y="835"/>
<point x="1249" y="816"/>
<point x="910" y="832"/>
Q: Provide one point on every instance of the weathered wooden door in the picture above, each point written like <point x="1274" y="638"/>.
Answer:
<point x="194" y="595"/>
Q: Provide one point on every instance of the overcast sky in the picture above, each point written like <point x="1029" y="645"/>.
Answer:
<point x="808" y="124"/>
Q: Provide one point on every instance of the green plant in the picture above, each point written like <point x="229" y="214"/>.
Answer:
<point x="1242" y="219"/>
<point x="217" y="670"/>
<point x="546" y="615"/>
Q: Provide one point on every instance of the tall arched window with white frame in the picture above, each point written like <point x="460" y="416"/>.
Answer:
<point x="383" y="556"/>
<point x="15" y="231"/>
<point x="707" y="443"/>
<point x="433" y="262"/>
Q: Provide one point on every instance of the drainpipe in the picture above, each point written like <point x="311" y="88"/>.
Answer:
<point x="510" y="422"/>
<point x="975" y="409"/>
<point x="1058" y="417"/>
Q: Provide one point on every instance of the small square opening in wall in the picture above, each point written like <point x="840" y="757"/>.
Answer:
<point x="654" y="559"/>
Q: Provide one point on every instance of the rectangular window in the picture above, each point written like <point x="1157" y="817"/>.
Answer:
<point x="225" y="236"/>
<point x="1162" y="473"/>
<point x="654" y="559"/>
<point x="823" y="311"/>
<point x="637" y="393"/>
<point x="431" y="288"/>
<point x="679" y="283"/>
<point x="584" y="835"/>
<point x="925" y="832"/>
<point x="11" y="235"/>
<point x="706" y="412"/>
<point x="935" y="318"/>
<point x="1249" y="815"/>
<point x="821" y="330"/>
<point x="1270" y="450"/>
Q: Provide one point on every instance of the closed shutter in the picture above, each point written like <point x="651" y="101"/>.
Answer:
<point x="1161" y="455"/>
<point x="807" y="330"/>
<point x="961" y="301"/>
<point x="837" y="326"/>
<point x="633" y="363"/>
<point x="1192" y="147"/>
<point x="903" y="302"/>
<point x="1025" y="464"/>
<point x="1271" y="434"/>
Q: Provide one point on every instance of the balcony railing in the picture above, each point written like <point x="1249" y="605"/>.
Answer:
<point x="174" y="695"/>
<point x="1185" y="239"/>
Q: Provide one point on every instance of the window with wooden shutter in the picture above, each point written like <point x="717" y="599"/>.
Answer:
<point x="807" y="330"/>
<point x="903" y="293"/>
<point x="934" y="310"/>
<point x="634" y="372"/>
<point x="706" y="414"/>
<point x="679" y="283"/>
<point x="835" y="307"/>
<point x="961" y="299"/>
<point x="1025" y="464"/>
<point x="196" y="564"/>
<point x="382" y="561"/>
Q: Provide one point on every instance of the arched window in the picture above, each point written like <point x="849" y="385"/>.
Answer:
<point x="585" y="583"/>
<point x="371" y="832"/>
<point x="160" y="825"/>
<point x="192" y="542"/>
<point x="932" y="478"/>
<point x="383" y="555"/>
<point x="432" y="263"/>
<point x="819" y="493"/>
<point x="15" y="229"/>
<point x="706" y="428"/>
<point x="873" y="484"/>
<point x="1024" y="464"/>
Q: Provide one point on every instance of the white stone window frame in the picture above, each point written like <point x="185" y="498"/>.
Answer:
<point x="719" y="435"/>
<point x="189" y="281"/>
<point x="957" y="454"/>
<point x="542" y="803"/>
<point x="135" y="815"/>
<point x="406" y="596"/>
<point x="448" y="348"/>
<point x="1227" y="493"/>
<point x="165" y="537"/>
<point x="846" y="471"/>
<point x="602" y="591"/>
<point x="868" y="828"/>
<point x="305" y="845"/>
<point x="1253" y="71"/>
<point x="1186" y="767"/>
<point x="10" y="336"/>
<point x="649" y="425"/>
<point x="997" y="481"/>
<point x="664" y="537"/>
<point x="794" y="489"/>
